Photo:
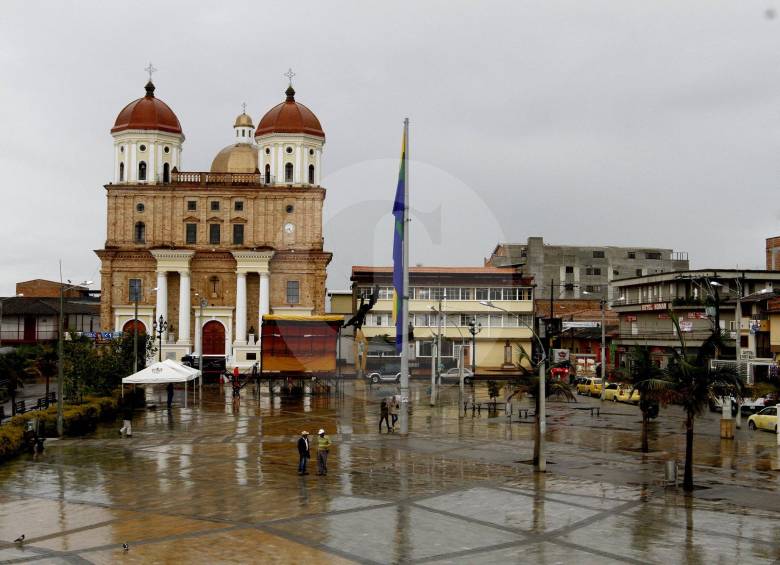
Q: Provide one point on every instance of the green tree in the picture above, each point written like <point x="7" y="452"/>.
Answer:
<point x="689" y="381"/>
<point x="643" y="374"/>
<point x="42" y="362"/>
<point x="12" y="370"/>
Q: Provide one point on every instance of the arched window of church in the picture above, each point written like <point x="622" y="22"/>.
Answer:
<point x="267" y="174"/>
<point x="236" y="133"/>
<point x="288" y="172"/>
<point x="243" y="133"/>
<point x="166" y="173"/>
<point x="140" y="232"/>
<point x="311" y="174"/>
<point x="142" y="170"/>
<point x="121" y="172"/>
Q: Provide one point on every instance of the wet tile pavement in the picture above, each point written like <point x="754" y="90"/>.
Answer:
<point x="215" y="483"/>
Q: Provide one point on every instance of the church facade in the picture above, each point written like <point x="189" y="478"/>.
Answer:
<point x="209" y="253"/>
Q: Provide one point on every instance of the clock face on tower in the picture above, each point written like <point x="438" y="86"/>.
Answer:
<point x="289" y="228"/>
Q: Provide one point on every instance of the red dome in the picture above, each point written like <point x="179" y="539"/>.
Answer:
<point x="289" y="117"/>
<point x="147" y="113"/>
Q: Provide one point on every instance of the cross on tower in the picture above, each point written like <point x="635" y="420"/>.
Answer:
<point x="150" y="69"/>
<point x="289" y="74"/>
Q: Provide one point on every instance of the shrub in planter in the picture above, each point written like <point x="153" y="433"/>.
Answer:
<point x="10" y="441"/>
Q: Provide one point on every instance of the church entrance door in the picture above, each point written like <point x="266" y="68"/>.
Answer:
<point x="213" y="338"/>
<point x="132" y="326"/>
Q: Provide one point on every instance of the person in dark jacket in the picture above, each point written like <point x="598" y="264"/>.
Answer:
<point x="384" y="414"/>
<point x="170" y="396"/>
<point x="303" y="452"/>
<point x="127" y="416"/>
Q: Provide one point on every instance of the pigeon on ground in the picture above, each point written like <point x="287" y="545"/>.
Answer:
<point x="125" y="546"/>
<point x="20" y="539"/>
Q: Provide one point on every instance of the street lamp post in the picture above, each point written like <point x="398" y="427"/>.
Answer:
<point x="474" y="329"/>
<point x="159" y="327"/>
<point x="60" y="354"/>
<point x="602" y="307"/>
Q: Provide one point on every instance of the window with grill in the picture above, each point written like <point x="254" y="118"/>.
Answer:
<point x="238" y="234"/>
<point x="482" y="294"/>
<point x="192" y="205"/>
<point x="134" y="290"/>
<point x="496" y="294"/>
<point x="192" y="233"/>
<point x="215" y="205"/>
<point x="293" y="292"/>
<point x="214" y="235"/>
<point x="288" y="172"/>
<point x="632" y="254"/>
<point x="569" y="270"/>
<point x="598" y="254"/>
<point x="238" y="205"/>
<point x="653" y="255"/>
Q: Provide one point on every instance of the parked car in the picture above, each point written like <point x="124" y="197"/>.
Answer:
<point x="716" y="405"/>
<point x="626" y="394"/>
<point x="610" y="391"/>
<point x="594" y="388"/>
<point x="583" y="387"/>
<point x="454" y="375"/>
<point x="377" y="377"/>
<point x="764" y="420"/>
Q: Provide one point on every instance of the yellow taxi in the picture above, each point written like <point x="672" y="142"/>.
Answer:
<point x="594" y="389"/>
<point x="626" y="394"/>
<point x="610" y="391"/>
<point x="583" y="385"/>
<point x="764" y="420"/>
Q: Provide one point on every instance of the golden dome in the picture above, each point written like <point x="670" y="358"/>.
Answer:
<point x="238" y="158"/>
<point x="243" y="121"/>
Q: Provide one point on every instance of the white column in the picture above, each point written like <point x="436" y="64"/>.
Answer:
<point x="184" y="308"/>
<point x="298" y="172"/>
<point x="151" y="166"/>
<point x="162" y="299"/>
<point x="317" y="165"/>
<point x="131" y="172"/>
<point x="265" y="301"/>
<point x="198" y="327"/>
<point x="241" y="308"/>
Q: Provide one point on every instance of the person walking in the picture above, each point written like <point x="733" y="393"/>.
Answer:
<point x="127" y="416"/>
<point x="323" y="448"/>
<point x="393" y="408"/>
<point x="170" y="396"/>
<point x="384" y="412"/>
<point x="303" y="452"/>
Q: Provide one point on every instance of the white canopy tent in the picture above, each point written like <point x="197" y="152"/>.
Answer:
<point x="163" y="372"/>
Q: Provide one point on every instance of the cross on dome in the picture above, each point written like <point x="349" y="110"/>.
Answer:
<point x="150" y="69"/>
<point x="289" y="74"/>
<point x="243" y="107"/>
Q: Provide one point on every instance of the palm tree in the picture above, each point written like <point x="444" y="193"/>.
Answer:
<point x="643" y="374"/>
<point x="689" y="381"/>
<point x="528" y="383"/>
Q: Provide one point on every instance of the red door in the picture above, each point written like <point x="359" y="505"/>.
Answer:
<point x="29" y="329"/>
<point x="213" y="338"/>
<point x="132" y="326"/>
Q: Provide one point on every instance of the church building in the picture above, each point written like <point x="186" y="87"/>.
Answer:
<point x="210" y="252"/>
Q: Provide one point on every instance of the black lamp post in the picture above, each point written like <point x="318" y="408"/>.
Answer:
<point x="474" y="329"/>
<point x="159" y="327"/>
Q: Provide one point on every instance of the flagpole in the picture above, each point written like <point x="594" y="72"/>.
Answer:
<point x="405" y="297"/>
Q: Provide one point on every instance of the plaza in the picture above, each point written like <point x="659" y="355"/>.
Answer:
<point x="218" y="484"/>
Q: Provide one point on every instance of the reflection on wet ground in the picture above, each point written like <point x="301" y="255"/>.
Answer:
<point x="217" y="483"/>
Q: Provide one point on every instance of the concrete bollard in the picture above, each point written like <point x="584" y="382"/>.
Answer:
<point x="670" y="473"/>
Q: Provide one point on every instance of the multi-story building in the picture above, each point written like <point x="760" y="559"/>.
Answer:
<point x="220" y="248"/>
<point x="573" y="270"/>
<point x="457" y="292"/>
<point x="701" y="300"/>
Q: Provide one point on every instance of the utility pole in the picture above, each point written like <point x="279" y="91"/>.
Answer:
<point x="738" y="344"/>
<point x="135" y="331"/>
<point x="603" y="305"/>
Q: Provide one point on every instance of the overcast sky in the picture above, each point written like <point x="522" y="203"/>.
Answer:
<point x="653" y="123"/>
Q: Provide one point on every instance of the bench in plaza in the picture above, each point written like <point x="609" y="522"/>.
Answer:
<point x="592" y="409"/>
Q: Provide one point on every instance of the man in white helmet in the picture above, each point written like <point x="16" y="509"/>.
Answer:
<point x="323" y="448"/>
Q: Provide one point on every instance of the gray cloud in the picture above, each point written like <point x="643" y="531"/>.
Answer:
<point x="637" y="123"/>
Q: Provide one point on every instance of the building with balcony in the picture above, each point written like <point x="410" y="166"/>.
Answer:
<point x="456" y="292"/>
<point x="702" y="300"/>
<point x="212" y="252"/>
<point x="33" y="317"/>
<point x="575" y="269"/>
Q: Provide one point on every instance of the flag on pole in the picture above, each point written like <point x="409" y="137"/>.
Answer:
<point x="399" y="234"/>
